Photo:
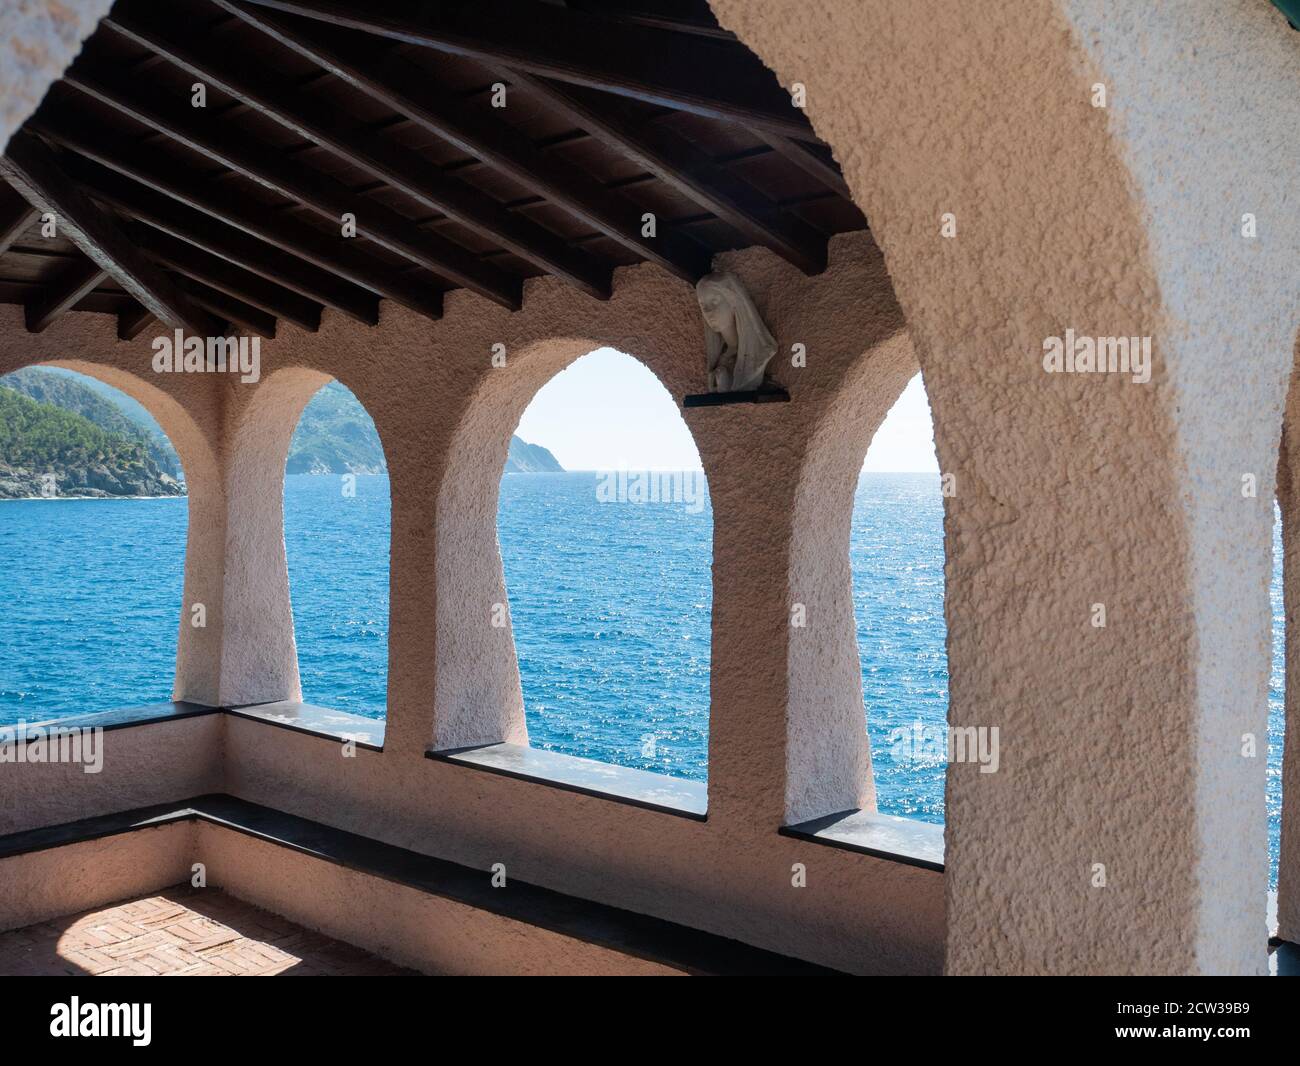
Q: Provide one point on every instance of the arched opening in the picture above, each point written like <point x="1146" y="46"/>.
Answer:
<point x="897" y="554"/>
<point x="92" y="548"/>
<point x="336" y="537"/>
<point x="606" y="535"/>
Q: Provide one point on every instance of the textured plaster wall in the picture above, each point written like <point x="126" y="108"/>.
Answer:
<point x="141" y="766"/>
<point x="58" y="882"/>
<point x="1120" y="746"/>
<point x="786" y="730"/>
<point x="787" y="738"/>
<point x="412" y="928"/>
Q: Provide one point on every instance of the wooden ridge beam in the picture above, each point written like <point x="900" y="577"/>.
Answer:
<point x="67" y="290"/>
<point x="680" y="70"/>
<point x="31" y="167"/>
<point x="317" y="191"/>
<point x="363" y="64"/>
<point x="386" y="159"/>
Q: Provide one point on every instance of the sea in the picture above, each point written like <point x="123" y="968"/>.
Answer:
<point x="610" y="604"/>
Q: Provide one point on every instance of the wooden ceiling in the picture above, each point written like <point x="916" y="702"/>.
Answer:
<point x="231" y="215"/>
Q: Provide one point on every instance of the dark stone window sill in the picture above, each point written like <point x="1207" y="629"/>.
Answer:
<point x="884" y="836"/>
<point x="323" y="722"/>
<point x="638" y="788"/>
<point x="118" y="718"/>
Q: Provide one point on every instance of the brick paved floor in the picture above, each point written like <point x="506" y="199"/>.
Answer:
<point x="182" y="932"/>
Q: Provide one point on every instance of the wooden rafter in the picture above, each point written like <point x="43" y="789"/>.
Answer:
<point x="382" y="157"/>
<point x="122" y="187"/>
<point x="810" y="161"/>
<point x="332" y="256"/>
<point x="253" y="320"/>
<point x="716" y="79"/>
<point x="134" y="321"/>
<point x="323" y="194"/>
<point x="690" y="171"/>
<point x="68" y="290"/>
<point x="16" y="214"/>
<point x="363" y="64"/>
<point x="31" y="168"/>
<point x="224" y="276"/>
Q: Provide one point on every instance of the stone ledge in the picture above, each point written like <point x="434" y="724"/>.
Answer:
<point x="323" y="722"/>
<point x="884" y="836"/>
<point x="637" y="788"/>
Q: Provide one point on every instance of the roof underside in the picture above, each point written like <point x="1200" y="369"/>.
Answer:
<point x="475" y="143"/>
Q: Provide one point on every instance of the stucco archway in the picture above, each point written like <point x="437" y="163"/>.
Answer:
<point x="1073" y="490"/>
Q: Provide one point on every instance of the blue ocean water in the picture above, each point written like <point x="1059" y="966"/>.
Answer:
<point x="610" y="604"/>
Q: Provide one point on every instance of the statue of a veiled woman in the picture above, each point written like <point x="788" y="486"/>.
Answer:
<point x="739" y="345"/>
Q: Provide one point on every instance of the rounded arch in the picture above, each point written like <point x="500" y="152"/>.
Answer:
<point x="193" y="445"/>
<point x="607" y="568"/>
<point x="828" y="758"/>
<point x="478" y="697"/>
<point x="940" y="114"/>
<point x="200" y="552"/>
<point x="259" y="658"/>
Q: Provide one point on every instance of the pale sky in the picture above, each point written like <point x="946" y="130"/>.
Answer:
<point x="608" y="411"/>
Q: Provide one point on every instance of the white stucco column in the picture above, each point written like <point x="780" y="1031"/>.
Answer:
<point x="259" y="657"/>
<point x="787" y="731"/>
<point x="1124" y="830"/>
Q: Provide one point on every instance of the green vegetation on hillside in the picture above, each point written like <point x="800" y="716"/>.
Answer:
<point x="40" y="439"/>
<point x="82" y="396"/>
<point x="335" y="435"/>
<point x="99" y="442"/>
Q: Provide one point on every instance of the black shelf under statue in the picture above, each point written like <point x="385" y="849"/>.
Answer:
<point x="766" y="394"/>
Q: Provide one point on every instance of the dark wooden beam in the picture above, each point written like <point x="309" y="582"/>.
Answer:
<point x="333" y="257"/>
<point x="225" y="277"/>
<point x="131" y="323"/>
<point x="365" y="64"/>
<point x="682" y="17"/>
<point x="688" y="169"/>
<point x="810" y="161"/>
<point x="661" y="66"/>
<point x="253" y="321"/>
<point x="386" y="159"/>
<point x="126" y="183"/>
<point x="16" y="215"/>
<point x="123" y="188"/>
<point x="68" y="290"/>
<point x="322" y="194"/>
<point x="32" y="169"/>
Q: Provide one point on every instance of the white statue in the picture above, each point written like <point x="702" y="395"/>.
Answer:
<point x="739" y="344"/>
